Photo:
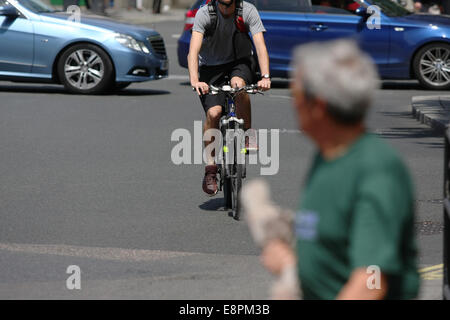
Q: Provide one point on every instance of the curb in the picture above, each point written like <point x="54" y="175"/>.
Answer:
<point x="433" y="111"/>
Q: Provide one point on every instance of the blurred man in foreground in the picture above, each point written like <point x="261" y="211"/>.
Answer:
<point x="354" y="229"/>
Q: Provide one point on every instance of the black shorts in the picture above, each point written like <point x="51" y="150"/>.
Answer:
<point x="215" y="75"/>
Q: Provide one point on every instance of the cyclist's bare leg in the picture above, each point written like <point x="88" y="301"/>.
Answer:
<point x="212" y="122"/>
<point x="243" y="104"/>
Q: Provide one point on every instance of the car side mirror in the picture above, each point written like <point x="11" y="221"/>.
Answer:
<point x="9" y="11"/>
<point x="361" y="11"/>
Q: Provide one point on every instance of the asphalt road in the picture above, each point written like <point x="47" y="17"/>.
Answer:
<point x="89" y="181"/>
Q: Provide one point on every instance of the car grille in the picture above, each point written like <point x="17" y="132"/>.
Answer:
<point x="158" y="45"/>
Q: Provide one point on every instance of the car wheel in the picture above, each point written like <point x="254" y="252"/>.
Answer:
<point x="432" y="66"/>
<point x="85" y="68"/>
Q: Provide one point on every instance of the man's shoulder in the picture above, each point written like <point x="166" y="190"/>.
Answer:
<point x="249" y="7"/>
<point x="203" y="9"/>
<point x="377" y="155"/>
<point x="202" y="15"/>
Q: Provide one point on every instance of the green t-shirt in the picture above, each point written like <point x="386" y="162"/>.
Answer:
<point x="357" y="211"/>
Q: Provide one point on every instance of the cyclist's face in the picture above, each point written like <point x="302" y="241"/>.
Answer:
<point x="226" y="2"/>
<point x="226" y="7"/>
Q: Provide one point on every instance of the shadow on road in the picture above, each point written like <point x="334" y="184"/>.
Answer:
<point x="402" y="114"/>
<point x="401" y="85"/>
<point x="215" y="204"/>
<point x="54" y="89"/>
<point x="138" y="92"/>
<point x="414" y="133"/>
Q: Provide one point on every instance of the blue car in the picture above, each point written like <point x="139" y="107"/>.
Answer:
<point x="402" y="44"/>
<point x="85" y="54"/>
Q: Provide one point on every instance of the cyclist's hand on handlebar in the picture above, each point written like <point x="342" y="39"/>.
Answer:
<point x="201" y="88"/>
<point x="264" y="84"/>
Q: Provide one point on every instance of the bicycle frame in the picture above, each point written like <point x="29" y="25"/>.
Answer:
<point x="232" y="173"/>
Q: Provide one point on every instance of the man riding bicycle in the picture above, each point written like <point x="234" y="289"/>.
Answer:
<point x="221" y="48"/>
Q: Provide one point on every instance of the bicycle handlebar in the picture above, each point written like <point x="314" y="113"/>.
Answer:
<point x="252" y="89"/>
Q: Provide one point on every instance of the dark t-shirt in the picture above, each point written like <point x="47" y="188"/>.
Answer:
<point x="220" y="49"/>
<point x="357" y="211"/>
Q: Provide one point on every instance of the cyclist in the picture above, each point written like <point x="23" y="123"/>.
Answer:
<point x="221" y="48"/>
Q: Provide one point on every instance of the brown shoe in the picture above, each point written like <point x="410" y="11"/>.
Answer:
<point x="210" y="180"/>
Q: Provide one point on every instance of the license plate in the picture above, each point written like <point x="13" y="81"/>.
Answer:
<point x="165" y="65"/>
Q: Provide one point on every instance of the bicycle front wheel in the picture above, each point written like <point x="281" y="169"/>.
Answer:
<point x="227" y="193"/>
<point x="236" y="190"/>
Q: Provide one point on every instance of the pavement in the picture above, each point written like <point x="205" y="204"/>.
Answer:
<point x="89" y="181"/>
<point x="432" y="110"/>
<point x="144" y="16"/>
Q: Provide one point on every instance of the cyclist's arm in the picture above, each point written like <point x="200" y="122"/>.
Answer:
<point x="263" y="57"/>
<point x="194" y="49"/>
<point x="261" y="50"/>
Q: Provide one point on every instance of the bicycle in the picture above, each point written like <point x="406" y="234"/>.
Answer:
<point x="232" y="172"/>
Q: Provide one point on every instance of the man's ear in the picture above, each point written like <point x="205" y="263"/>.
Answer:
<point x="319" y="109"/>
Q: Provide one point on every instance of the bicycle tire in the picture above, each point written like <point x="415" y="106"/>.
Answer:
<point x="236" y="188"/>
<point x="225" y="172"/>
<point x="227" y="197"/>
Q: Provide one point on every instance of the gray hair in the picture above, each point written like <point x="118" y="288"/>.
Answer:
<point x="339" y="73"/>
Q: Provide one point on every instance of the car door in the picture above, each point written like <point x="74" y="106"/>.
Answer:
<point x="286" y="26"/>
<point x="16" y="42"/>
<point x="333" y="19"/>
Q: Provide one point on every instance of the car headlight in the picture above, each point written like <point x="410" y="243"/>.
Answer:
<point x="131" y="43"/>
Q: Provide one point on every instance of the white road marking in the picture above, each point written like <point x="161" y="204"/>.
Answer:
<point x="176" y="36"/>
<point x="117" y="254"/>
<point x="178" y="77"/>
<point x="276" y="96"/>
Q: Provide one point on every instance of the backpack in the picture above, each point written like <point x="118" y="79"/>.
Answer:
<point x="239" y="13"/>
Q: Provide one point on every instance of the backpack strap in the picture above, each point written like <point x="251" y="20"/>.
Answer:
<point x="211" y="28"/>
<point x="239" y="13"/>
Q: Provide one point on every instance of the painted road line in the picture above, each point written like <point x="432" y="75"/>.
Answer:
<point x="178" y="77"/>
<point x="435" y="272"/>
<point x="431" y="268"/>
<point x="117" y="254"/>
<point x="436" y="275"/>
<point x="279" y="97"/>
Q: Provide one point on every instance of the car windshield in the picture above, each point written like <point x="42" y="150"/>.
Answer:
<point x="35" y="6"/>
<point x="388" y="7"/>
